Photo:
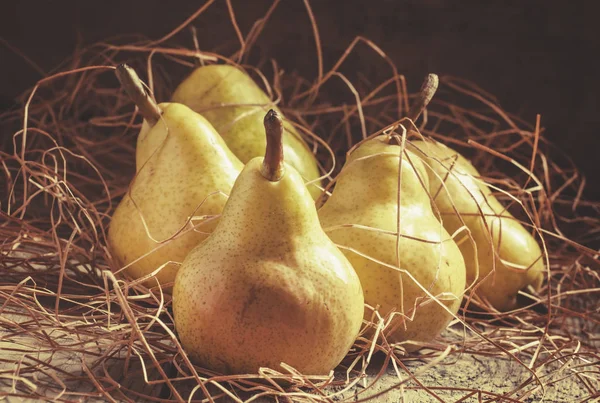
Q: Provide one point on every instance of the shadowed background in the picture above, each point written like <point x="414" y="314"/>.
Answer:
<point x="535" y="56"/>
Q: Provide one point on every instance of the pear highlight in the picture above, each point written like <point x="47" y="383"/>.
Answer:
<point x="184" y="170"/>
<point x="268" y="286"/>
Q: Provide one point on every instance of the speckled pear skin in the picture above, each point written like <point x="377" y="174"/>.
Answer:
<point x="511" y="241"/>
<point x="268" y="286"/>
<point x="183" y="163"/>
<point x="366" y="194"/>
<point x="209" y="90"/>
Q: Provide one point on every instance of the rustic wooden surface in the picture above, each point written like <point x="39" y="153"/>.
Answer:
<point x="465" y="371"/>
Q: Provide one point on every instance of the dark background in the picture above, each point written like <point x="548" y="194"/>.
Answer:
<point x="535" y="56"/>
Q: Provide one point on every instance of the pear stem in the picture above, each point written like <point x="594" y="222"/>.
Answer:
<point x="272" y="167"/>
<point x="428" y="89"/>
<point x="132" y="85"/>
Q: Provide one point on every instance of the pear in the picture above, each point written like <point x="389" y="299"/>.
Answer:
<point x="361" y="216"/>
<point x="268" y="286"/>
<point x="186" y="170"/>
<point x="235" y="105"/>
<point x="507" y="256"/>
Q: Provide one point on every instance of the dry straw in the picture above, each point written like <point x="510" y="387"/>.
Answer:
<point x="73" y="327"/>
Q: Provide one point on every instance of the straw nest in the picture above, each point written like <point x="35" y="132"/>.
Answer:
<point x="73" y="327"/>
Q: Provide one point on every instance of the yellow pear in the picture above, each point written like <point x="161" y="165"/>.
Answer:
<point x="268" y="286"/>
<point x="361" y="216"/>
<point x="186" y="171"/>
<point x="235" y="105"/>
<point x="504" y="246"/>
<point x="508" y="256"/>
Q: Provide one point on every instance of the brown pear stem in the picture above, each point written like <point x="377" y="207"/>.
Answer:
<point x="133" y="87"/>
<point x="428" y="89"/>
<point x="272" y="167"/>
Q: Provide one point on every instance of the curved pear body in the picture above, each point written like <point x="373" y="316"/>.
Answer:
<point x="235" y="105"/>
<point x="366" y="194"/>
<point x="268" y="286"/>
<point x="501" y="240"/>
<point x="185" y="169"/>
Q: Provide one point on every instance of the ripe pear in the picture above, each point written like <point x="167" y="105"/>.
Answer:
<point x="361" y="216"/>
<point x="186" y="170"/>
<point x="268" y="286"/>
<point x="502" y="242"/>
<point x="235" y="105"/>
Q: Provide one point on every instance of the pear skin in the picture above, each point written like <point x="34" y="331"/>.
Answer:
<point x="187" y="170"/>
<point x="268" y="286"/>
<point x="502" y="241"/>
<point x="235" y="105"/>
<point x="366" y="195"/>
